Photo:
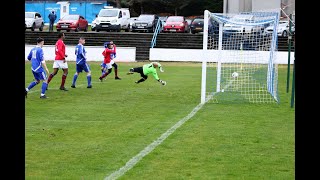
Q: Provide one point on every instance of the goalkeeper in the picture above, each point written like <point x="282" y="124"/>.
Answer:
<point x="148" y="69"/>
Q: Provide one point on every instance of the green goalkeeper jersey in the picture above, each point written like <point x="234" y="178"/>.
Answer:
<point x="149" y="69"/>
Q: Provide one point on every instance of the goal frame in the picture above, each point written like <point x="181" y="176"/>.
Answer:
<point x="205" y="56"/>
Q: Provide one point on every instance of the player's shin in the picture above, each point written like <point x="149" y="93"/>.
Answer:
<point x="74" y="79"/>
<point x="89" y="79"/>
<point x="44" y="87"/>
<point x="141" y="80"/>
<point x="50" y="78"/>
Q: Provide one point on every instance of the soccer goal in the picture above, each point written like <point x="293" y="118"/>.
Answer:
<point x="239" y="58"/>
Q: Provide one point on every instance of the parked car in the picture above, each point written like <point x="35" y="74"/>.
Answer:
<point x="73" y="22"/>
<point x="163" y="20"/>
<point x="196" y="25"/>
<point x="283" y="29"/>
<point x="93" y="24"/>
<point x="131" y="20"/>
<point x="240" y="23"/>
<point x="189" y="21"/>
<point x="213" y="27"/>
<point x="113" y="19"/>
<point x="33" y="20"/>
<point x="145" y="23"/>
<point x="176" y="24"/>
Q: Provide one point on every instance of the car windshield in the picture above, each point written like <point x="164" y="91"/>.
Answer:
<point x="175" y="19"/>
<point x="163" y="18"/>
<point x="242" y="18"/>
<point x="197" y="20"/>
<point x="71" y="17"/>
<point x="145" y="18"/>
<point x="108" y="13"/>
<point x="281" y="24"/>
<point x="29" y="15"/>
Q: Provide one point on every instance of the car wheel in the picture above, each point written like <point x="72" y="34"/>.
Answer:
<point x="33" y="27"/>
<point x="284" y="33"/>
<point x="58" y="30"/>
<point x="41" y="27"/>
<point x="128" y="28"/>
<point x="86" y="29"/>
<point x="68" y="30"/>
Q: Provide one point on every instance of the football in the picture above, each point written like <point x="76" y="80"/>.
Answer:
<point x="235" y="74"/>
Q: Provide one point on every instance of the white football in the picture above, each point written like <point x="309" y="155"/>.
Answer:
<point x="235" y="74"/>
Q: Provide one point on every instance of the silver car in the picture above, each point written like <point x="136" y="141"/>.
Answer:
<point x="33" y="20"/>
<point x="283" y="28"/>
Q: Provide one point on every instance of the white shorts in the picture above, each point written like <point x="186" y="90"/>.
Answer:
<point x="109" y="65"/>
<point x="60" y="64"/>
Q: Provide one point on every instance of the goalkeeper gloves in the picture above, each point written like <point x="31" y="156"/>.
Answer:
<point x="162" y="82"/>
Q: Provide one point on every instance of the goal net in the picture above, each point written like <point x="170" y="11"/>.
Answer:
<point x="239" y="58"/>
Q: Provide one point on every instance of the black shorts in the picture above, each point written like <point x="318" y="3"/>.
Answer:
<point x="140" y="70"/>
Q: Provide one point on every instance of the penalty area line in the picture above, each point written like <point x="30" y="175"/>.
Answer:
<point x="133" y="161"/>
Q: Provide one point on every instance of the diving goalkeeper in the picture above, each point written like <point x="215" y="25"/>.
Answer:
<point x="148" y="69"/>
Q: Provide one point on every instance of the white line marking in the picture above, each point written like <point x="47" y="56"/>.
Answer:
<point x="133" y="161"/>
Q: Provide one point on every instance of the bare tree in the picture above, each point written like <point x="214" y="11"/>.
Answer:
<point x="176" y="5"/>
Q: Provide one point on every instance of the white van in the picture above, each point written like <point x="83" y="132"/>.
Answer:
<point x="114" y="19"/>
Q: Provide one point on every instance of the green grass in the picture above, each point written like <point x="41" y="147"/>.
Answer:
<point x="90" y="133"/>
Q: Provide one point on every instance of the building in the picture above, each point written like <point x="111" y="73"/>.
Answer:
<point x="285" y="7"/>
<point x="86" y="8"/>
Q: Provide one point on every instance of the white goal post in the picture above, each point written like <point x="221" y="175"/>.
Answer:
<point x="239" y="57"/>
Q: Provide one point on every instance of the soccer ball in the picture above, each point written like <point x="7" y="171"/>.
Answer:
<point x="235" y="74"/>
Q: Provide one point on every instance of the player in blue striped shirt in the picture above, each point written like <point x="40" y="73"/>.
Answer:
<point x="38" y="65"/>
<point x="81" y="63"/>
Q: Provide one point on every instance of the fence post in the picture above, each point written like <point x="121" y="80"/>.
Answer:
<point x="289" y="51"/>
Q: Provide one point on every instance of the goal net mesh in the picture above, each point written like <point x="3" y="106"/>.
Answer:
<point x="240" y="57"/>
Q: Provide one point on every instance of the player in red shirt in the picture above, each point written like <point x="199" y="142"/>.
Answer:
<point x="60" y="61"/>
<point x="113" y="64"/>
<point x="107" y="62"/>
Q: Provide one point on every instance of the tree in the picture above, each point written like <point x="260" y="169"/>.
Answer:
<point x="117" y="2"/>
<point x="176" y="5"/>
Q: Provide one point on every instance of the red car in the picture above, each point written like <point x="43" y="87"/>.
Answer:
<point x="176" y="24"/>
<point x="74" y="22"/>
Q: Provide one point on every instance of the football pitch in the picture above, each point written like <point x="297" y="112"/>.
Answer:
<point x="122" y="130"/>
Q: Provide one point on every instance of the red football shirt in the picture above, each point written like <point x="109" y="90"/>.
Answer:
<point x="106" y="54"/>
<point x="60" y="50"/>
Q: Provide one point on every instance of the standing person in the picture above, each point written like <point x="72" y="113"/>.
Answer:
<point x="146" y="70"/>
<point x="52" y="17"/>
<point x="81" y="63"/>
<point x="60" y="61"/>
<point x="107" y="61"/>
<point x="38" y="65"/>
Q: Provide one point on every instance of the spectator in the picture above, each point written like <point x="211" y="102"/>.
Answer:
<point x="52" y="17"/>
